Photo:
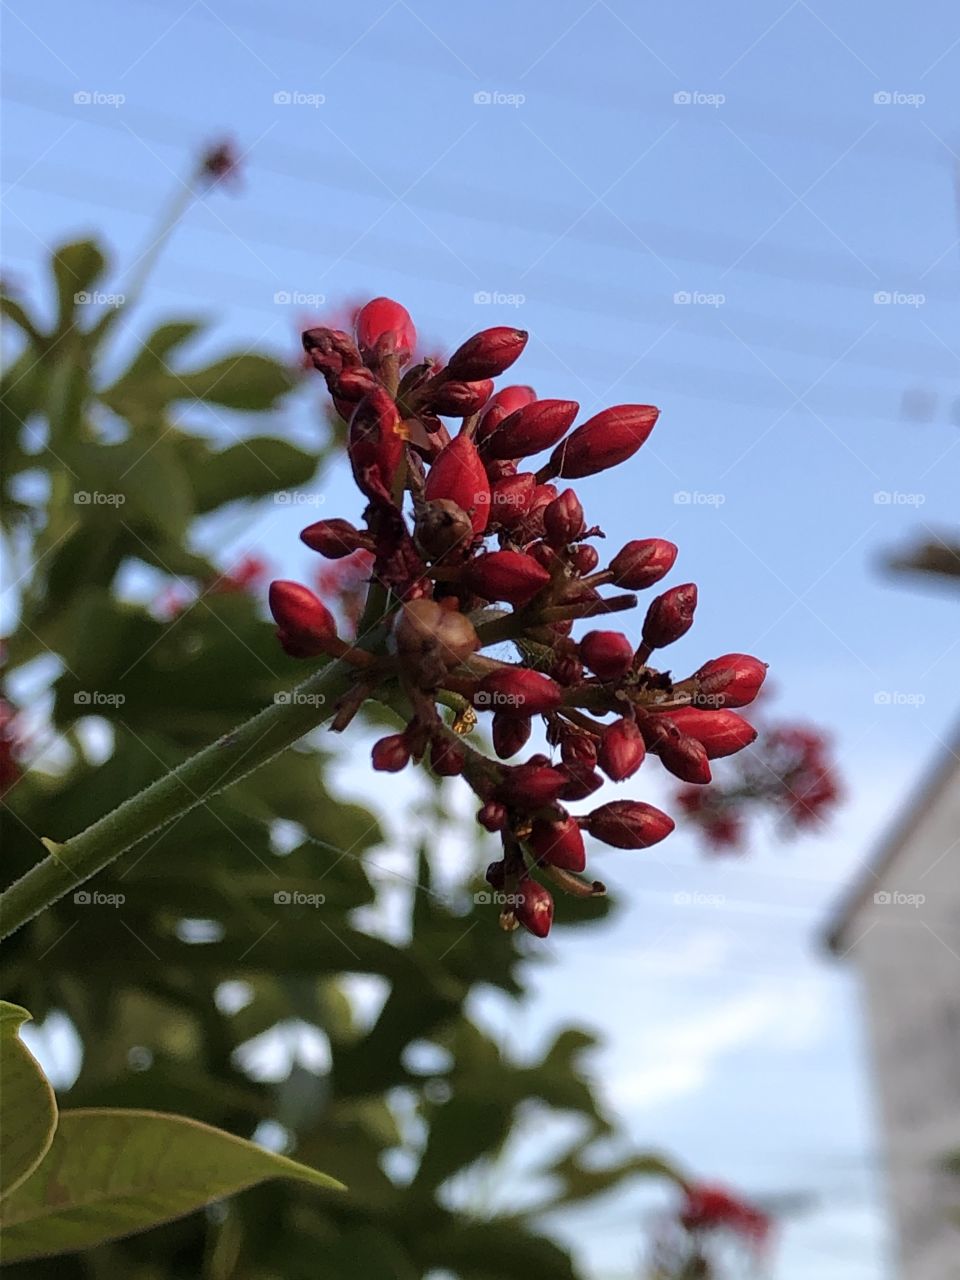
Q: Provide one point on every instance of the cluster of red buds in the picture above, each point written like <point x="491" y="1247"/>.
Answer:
<point x="470" y="545"/>
<point x="791" y="774"/>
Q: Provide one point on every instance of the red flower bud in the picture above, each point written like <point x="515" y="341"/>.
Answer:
<point x="352" y="385"/>
<point x="493" y="816"/>
<point x="505" y="575"/>
<point x="584" y="559"/>
<point x="578" y="749"/>
<point x="558" y="844"/>
<point x="722" y="733"/>
<point x="459" y="399"/>
<point x="621" y="750"/>
<point x="305" y="622"/>
<point x="563" y="519"/>
<point x="670" y="616"/>
<point x="446" y="758"/>
<point x="517" y="691"/>
<point x="330" y="351"/>
<point x="530" y="429"/>
<point x="606" y="440"/>
<point x="582" y="781"/>
<point x="608" y="654"/>
<point x="684" y="757"/>
<point x="391" y="754"/>
<point x="511" y="498"/>
<point x="486" y="354"/>
<point x="334" y="538"/>
<point x="531" y="785"/>
<point x="385" y="328"/>
<point x="510" y="734"/>
<point x="567" y="670"/>
<point x="375" y="443"/>
<point x="731" y="681"/>
<point x="642" y="563"/>
<point x="458" y="475"/>
<point x="629" y="824"/>
<point x="535" y="908"/>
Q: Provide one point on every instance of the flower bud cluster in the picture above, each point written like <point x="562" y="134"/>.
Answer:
<point x="471" y="543"/>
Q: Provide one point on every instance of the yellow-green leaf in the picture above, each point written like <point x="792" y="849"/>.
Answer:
<point x="28" y="1111"/>
<point x="109" y="1173"/>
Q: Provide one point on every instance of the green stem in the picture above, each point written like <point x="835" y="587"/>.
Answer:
<point x="192" y="783"/>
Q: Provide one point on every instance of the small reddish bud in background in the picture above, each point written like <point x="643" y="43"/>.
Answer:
<point x="510" y="734"/>
<point x="459" y="399"/>
<point x="391" y="754"/>
<point x="643" y="562"/>
<point x="621" y="750"/>
<point x="493" y="816"/>
<point x="457" y="474"/>
<point x="722" y="733"/>
<point x="606" y="440"/>
<point x="384" y="328"/>
<point x="531" y="784"/>
<point x="446" y="758"/>
<point x="559" y="844"/>
<point x="563" y="519"/>
<point x="305" y="622"/>
<point x="584" y="559"/>
<point x="486" y="354"/>
<point x="511" y="498"/>
<point x="375" y="443"/>
<point x="535" y="908"/>
<point x="733" y="680"/>
<point x="530" y="429"/>
<point x="334" y="538"/>
<point x="629" y="824"/>
<point x="505" y="575"/>
<point x="517" y="691"/>
<point x="608" y="654"/>
<point x="670" y="616"/>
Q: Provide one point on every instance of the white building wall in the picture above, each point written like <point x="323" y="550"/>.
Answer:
<point x="906" y="944"/>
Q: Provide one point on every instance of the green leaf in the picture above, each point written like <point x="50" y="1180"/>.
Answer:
<point x="28" y="1111"/>
<point x="110" y="1173"/>
<point x="238" y="382"/>
<point x="250" y="469"/>
<point x="75" y="268"/>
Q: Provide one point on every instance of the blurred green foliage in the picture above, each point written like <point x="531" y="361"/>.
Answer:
<point x="143" y="984"/>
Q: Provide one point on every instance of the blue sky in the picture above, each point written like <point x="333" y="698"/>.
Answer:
<point x="746" y="216"/>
